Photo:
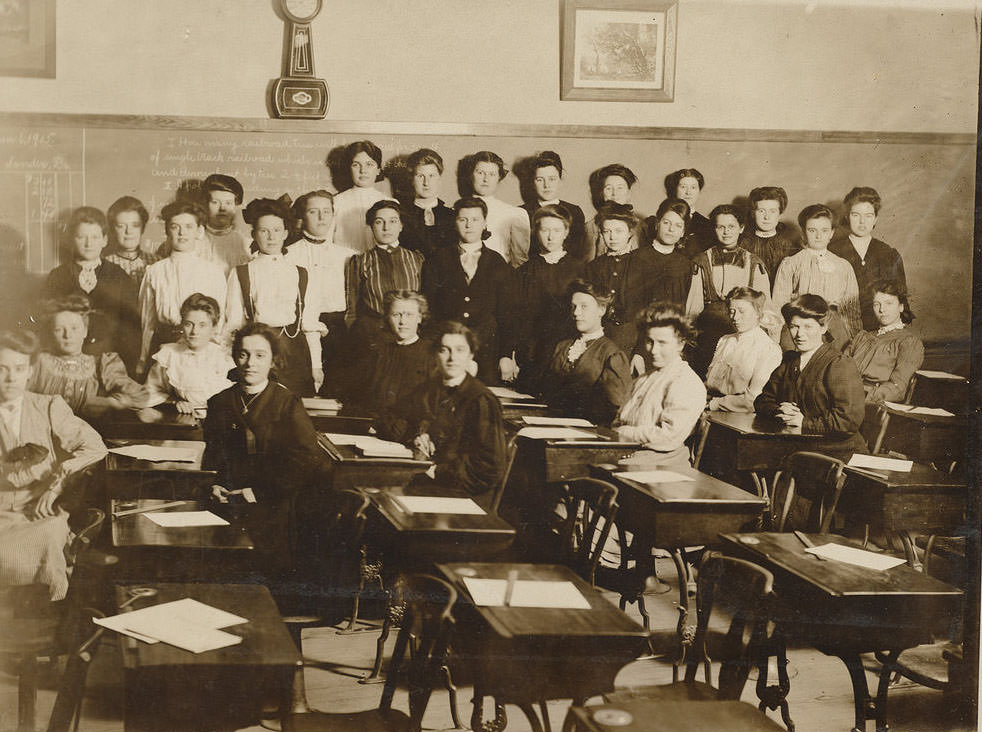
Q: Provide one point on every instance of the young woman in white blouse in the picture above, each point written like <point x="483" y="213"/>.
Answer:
<point x="273" y="291"/>
<point x="364" y="161"/>
<point x="509" y="225"/>
<point x="666" y="402"/>
<point x="743" y="361"/>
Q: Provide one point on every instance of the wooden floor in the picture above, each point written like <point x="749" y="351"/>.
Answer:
<point x="821" y="696"/>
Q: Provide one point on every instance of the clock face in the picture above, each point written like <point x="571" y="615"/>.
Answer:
<point x="302" y="11"/>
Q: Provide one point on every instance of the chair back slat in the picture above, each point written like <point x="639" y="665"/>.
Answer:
<point x="812" y="477"/>
<point x="587" y="507"/>
<point x="499" y="492"/>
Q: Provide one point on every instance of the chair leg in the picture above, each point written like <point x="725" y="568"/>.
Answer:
<point x="27" y="694"/>
<point x="452" y="693"/>
<point x="376" y="673"/>
<point x="529" y="711"/>
<point x="545" y="715"/>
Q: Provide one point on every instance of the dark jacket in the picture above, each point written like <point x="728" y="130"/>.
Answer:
<point x="545" y="308"/>
<point x="829" y="392"/>
<point x="883" y="262"/>
<point x="428" y="240"/>
<point x="594" y="387"/>
<point x="576" y="243"/>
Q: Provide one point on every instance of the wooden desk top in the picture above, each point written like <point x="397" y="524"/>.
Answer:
<point x="154" y="423"/>
<point x="603" y="619"/>
<point x="404" y="522"/>
<point x="702" y="489"/>
<point x="671" y="716"/>
<point x="750" y="424"/>
<point x="835" y="579"/>
<point x="266" y="641"/>
<point x="136" y="530"/>
<point x="121" y="463"/>
<point x="946" y="420"/>
<point x="347" y="455"/>
<point x="920" y="476"/>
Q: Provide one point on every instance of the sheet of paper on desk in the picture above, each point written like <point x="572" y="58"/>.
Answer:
<point x="438" y="504"/>
<point x="899" y="407"/>
<point x="874" y="462"/>
<point x="181" y="519"/>
<point x="339" y="439"/>
<point x="157" y="454"/>
<point x="527" y="593"/>
<point x="557" y="421"/>
<point x="145" y="624"/>
<point x="653" y="477"/>
<point x="940" y="375"/>
<point x="858" y="557"/>
<point x="503" y="392"/>
<point x="556" y="433"/>
<point x="934" y="411"/>
<point x="321" y="403"/>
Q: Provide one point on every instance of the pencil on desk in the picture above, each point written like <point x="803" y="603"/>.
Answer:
<point x="808" y="543"/>
<point x="510" y="587"/>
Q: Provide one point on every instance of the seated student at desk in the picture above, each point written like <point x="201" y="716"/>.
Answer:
<point x="745" y="360"/>
<point x="453" y="419"/>
<point x="195" y="368"/>
<point x="889" y="356"/>
<point x="394" y="369"/>
<point x="588" y="376"/>
<point x="815" y="387"/>
<point x="666" y="402"/>
<point x="42" y="444"/>
<point x="92" y="385"/>
<point x="258" y="436"/>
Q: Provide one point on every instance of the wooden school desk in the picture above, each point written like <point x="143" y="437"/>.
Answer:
<point x="155" y="423"/>
<point x="150" y="552"/>
<point x="351" y="469"/>
<point x="521" y="655"/>
<point x="128" y="477"/>
<point x="923" y="501"/>
<point x="671" y="716"/>
<point x="926" y="438"/>
<point x="674" y="515"/>
<point x="167" y="688"/>
<point x="845" y="610"/>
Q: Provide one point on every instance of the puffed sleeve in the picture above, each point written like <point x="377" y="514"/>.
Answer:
<point x="784" y="284"/>
<point x="520" y="236"/>
<point x="74" y="436"/>
<point x="849" y="305"/>
<point x="158" y="386"/>
<point x="118" y="384"/>
<point x="847" y="401"/>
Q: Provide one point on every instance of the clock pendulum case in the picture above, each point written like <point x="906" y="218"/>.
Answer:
<point x="298" y="93"/>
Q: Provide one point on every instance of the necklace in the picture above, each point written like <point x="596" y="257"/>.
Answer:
<point x="247" y="404"/>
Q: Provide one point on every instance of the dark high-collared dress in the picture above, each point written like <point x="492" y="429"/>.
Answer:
<point x="576" y="243"/>
<point x="428" y="240"/>
<point x="882" y="262"/>
<point x="593" y="386"/>
<point x="829" y="392"/>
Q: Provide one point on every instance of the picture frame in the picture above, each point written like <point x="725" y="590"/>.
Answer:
<point x="27" y="38"/>
<point x="619" y="50"/>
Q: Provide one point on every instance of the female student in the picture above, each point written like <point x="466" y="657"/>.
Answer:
<point x="110" y="290"/>
<point x="588" y="376"/>
<point x="195" y="368"/>
<point x="666" y="268"/>
<point x="611" y="184"/>
<point x="429" y="224"/>
<point x="889" y="355"/>
<point x="543" y="281"/>
<point x="815" y="387"/>
<point x="169" y="282"/>
<point x="395" y="369"/>
<point x="872" y="260"/>
<point x="363" y="160"/>
<point x="718" y="270"/>
<point x="547" y="176"/>
<point x="454" y="420"/>
<point x="817" y="271"/>
<point x="92" y="385"/>
<point x="42" y="445"/>
<point x="508" y="225"/>
<point x="770" y="239"/>
<point x="474" y="285"/>
<point x="744" y="360"/>
<point x="258" y="436"/>
<point x="686" y="184"/>
<point x="273" y="291"/>
<point x="128" y="218"/>
<point x="666" y="402"/>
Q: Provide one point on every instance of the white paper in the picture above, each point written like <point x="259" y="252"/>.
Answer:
<point x="158" y="454"/>
<point x="503" y="392"/>
<point x="899" y="407"/>
<point x="370" y="445"/>
<point x="935" y="411"/>
<point x="438" y="504"/>
<point x="557" y="421"/>
<point x="526" y="593"/>
<point x="178" y="519"/>
<point x="654" y="477"/>
<point x="857" y="557"/>
<point x="321" y="404"/>
<point x="940" y="375"/>
<point x="339" y="439"/>
<point x="874" y="462"/>
<point x="556" y="433"/>
<point x="185" y="623"/>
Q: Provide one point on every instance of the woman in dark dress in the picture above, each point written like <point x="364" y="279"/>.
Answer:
<point x="454" y="420"/>
<point x="686" y="184"/>
<point x="428" y="226"/>
<point x="815" y="387"/>
<point x="258" y="436"/>
<point x="589" y="376"/>
<point x="547" y="176"/>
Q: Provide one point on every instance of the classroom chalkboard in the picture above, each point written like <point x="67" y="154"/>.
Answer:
<point x="52" y="163"/>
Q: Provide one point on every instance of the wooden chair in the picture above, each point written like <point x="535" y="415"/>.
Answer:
<point x="585" y="513"/>
<point x="425" y="632"/>
<point x="499" y="492"/>
<point x="811" y="476"/>
<point x="699" y="436"/>
<point x="67" y="711"/>
<point x="884" y="415"/>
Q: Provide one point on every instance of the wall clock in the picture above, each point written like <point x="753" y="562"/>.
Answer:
<point x="298" y="93"/>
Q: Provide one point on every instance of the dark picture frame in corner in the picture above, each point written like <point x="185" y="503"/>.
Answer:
<point x="27" y="38"/>
<point x="619" y="50"/>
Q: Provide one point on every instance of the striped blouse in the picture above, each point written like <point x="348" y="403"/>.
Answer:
<point x="368" y="276"/>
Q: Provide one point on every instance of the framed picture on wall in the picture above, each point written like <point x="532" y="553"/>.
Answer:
<point x="619" y="50"/>
<point x="27" y="38"/>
